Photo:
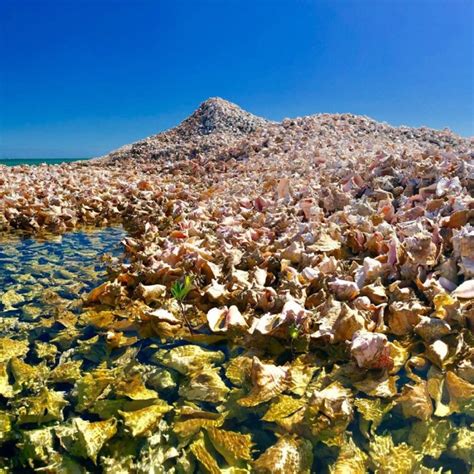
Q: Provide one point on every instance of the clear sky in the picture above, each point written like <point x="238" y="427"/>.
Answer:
<point x="79" y="78"/>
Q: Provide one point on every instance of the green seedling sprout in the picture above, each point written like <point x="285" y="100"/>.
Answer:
<point x="179" y="290"/>
<point x="293" y="333"/>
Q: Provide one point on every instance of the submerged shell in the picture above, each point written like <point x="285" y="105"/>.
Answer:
<point x="385" y="456"/>
<point x="84" y="438"/>
<point x="10" y="299"/>
<point x="12" y="348"/>
<point x="239" y="370"/>
<point x="204" y="457"/>
<point x="329" y="411"/>
<point x="188" y="358"/>
<point x="461" y="446"/>
<point x="351" y="460"/>
<point x="282" y="407"/>
<point x="204" y="385"/>
<point x="232" y="446"/>
<point x="431" y="438"/>
<point x="38" y="445"/>
<point x="143" y="422"/>
<point x="288" y="454"/>
<point x="48" y="405"/>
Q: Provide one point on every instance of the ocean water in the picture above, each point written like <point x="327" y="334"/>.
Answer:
<point x="37" y="161"/>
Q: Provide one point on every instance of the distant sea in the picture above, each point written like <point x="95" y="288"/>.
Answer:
<point x="37" y="161"/>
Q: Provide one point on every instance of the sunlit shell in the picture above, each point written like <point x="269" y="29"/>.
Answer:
<point x="215" y="291"/>
<point x="404" y="316"/>
<point x="421" y="248"/>
<point x="326" y="243"/>
<point x="432" y="328"/>
<point x="277" y="324"/>
<point x="224" y="319"/>
<point x="343" y="289"/>
<point x="151" y="293"/>
<point x="376" y="293"/>
<point x="268" y="381"/>
<point x="444" y="303"/>
<point x="370" y="270"/>
<point x="416" y="401"/>
<point x="378" y="386"/>
<point x="370" y="350"/>
<point x="465" y="290"/>
<point x="108" y="293"/>
<point x="463" y="244"/>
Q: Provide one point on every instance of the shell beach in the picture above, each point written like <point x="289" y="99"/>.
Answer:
<point x="289" y="297"/>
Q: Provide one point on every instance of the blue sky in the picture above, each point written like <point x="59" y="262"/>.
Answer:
<point x="79" y="78"/>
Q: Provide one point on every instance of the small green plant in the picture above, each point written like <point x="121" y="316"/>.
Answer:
<point x="293" y="334"/>
<point x="179" y="290"/>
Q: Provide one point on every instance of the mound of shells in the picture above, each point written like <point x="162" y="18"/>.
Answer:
<point x="329" y="327"/>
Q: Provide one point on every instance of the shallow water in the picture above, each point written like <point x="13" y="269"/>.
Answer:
<point x="37" y="276"/>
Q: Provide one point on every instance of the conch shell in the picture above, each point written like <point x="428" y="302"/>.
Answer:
<point x="370" y="350"/>
<point x="268" y="381"/>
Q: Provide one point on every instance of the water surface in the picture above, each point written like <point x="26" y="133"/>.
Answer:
<point x="37" y="161"/>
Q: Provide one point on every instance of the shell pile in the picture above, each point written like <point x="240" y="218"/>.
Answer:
<point x="329" y="327"/>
